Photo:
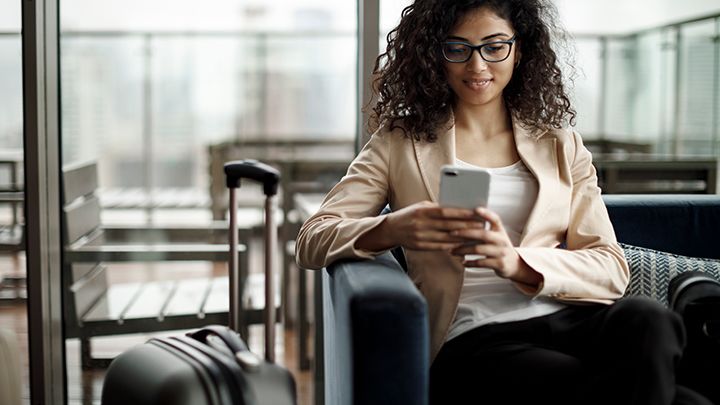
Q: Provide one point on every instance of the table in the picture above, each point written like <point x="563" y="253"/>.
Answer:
<point x="309" y="166"/>
<point x="655" y="174"/>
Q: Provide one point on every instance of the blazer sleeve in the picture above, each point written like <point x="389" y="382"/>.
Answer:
<point x="349" y="210"/>
<point x="593" y="266"/>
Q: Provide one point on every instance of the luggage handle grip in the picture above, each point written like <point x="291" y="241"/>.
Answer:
<point x="232" y="342"/>
<point x="254" y="170"/>
<point x="247" y="359"/>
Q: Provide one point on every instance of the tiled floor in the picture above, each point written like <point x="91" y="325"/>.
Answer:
<point x="85" y="387"/>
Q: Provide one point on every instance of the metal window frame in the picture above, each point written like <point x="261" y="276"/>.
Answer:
<point x="41" y="120"/>
<point x="716" y="91"/>
<point x="368" y="47"/>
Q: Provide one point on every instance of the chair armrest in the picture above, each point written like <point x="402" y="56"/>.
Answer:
<point x="376" y="334"/>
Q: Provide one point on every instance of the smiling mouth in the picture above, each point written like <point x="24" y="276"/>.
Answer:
<point x="477" y="84"/>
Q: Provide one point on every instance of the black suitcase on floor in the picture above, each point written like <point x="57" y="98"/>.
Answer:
<point x="695" y="295"/>
<point x="213" y="365"/>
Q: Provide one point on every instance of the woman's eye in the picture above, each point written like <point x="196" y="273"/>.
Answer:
<point x="457" y="49"/>
<point x="493" y="49"/>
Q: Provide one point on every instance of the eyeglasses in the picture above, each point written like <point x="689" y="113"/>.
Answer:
<point x="460" y="52"/>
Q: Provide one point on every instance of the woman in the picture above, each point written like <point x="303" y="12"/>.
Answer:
<point x="528" y="313"/>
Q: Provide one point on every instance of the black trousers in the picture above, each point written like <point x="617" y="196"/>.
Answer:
<point x="625" y="353"/>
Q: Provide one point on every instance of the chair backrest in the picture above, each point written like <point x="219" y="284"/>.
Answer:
<point x="81" y="207"/>
<point x="84" y="282"/>
<point x="682" y="224"/>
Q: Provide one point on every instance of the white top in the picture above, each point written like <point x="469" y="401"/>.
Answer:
<point x="486" y="298"/>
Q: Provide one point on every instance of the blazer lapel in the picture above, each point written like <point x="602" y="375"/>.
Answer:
<point x="540" y="157"/>
<point x="432" y="156"/>
<point x="538" y="153"/>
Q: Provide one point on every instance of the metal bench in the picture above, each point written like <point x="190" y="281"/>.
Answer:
<point x="94" y="307"/>
<point x="12" y="228"/>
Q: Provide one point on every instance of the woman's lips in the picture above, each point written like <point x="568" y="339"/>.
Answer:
<point x="477" y="84"/>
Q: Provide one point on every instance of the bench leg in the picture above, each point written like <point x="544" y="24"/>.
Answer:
<point x="87" y="361"/>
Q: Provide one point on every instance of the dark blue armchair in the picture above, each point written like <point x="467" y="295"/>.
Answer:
<point x="375" y="329"/>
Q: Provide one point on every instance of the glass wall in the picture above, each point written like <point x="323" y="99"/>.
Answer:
<point x="661" y="88"/>
<point x="653" y="101"/>
<point x="14" y="364"/>
<point x="102" y="105"/>
<point x="147" y="95"/>
<point x="619" y="88"/>
<point x="390" y="11"/>
<point x="587" y="85"/>
<point x="160" y="94"/>
<point x="11" y="117"/>
<point x="698" y="88"/>
<point x="656" y="87"/>
<point x="629" y="93"/>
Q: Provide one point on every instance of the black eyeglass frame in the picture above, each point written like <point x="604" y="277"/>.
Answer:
<point x="478" y="48"/>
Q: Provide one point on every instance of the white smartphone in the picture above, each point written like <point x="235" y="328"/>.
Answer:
<point x="462" y="187"/>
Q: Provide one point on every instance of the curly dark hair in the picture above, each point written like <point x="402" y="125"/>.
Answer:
<point x="410" y="85"/>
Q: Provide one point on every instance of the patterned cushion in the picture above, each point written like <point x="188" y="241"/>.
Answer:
<point x="651" y="270"/>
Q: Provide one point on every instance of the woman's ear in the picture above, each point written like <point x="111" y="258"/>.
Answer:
<point x="518" y="54"/>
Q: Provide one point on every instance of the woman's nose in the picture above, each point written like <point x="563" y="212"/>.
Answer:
<point x="476" y="62"/>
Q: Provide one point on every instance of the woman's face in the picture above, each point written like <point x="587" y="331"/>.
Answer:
<point x="477" y="82"/>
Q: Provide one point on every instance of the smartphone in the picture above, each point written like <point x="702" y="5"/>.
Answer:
<point x="462" y="187"/>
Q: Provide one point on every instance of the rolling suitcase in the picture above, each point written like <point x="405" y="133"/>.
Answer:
<point x="212" y="365"/>
<point x="695" y="295"/>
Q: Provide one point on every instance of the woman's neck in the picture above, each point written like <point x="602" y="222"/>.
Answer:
<point x="483" y="121"/>
<point x="484" y="136"/>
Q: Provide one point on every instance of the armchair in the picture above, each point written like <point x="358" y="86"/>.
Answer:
<point x="373" y="336"/>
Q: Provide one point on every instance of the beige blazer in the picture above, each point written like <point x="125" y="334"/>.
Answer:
<point x="400" y="171"/>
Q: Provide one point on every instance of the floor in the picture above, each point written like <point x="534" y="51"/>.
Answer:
<point x="85" y="387"/>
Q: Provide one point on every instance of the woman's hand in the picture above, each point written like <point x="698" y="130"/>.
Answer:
<point x="421" y="226"/>
<point x="497" y="249"/>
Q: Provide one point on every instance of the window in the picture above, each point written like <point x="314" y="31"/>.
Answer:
<point x="13" y="292"/>
<point x="698" y="77"/>
<point x="10" y="76"/>
<point x="652" y="98"/>
<point x="146" y="88"/>
<point x="587" y="86"/>
<point x="152" y="90"/>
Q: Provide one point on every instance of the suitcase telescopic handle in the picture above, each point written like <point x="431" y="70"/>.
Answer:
<point x="254" y="170"/>
<point x="270" y="178"/>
